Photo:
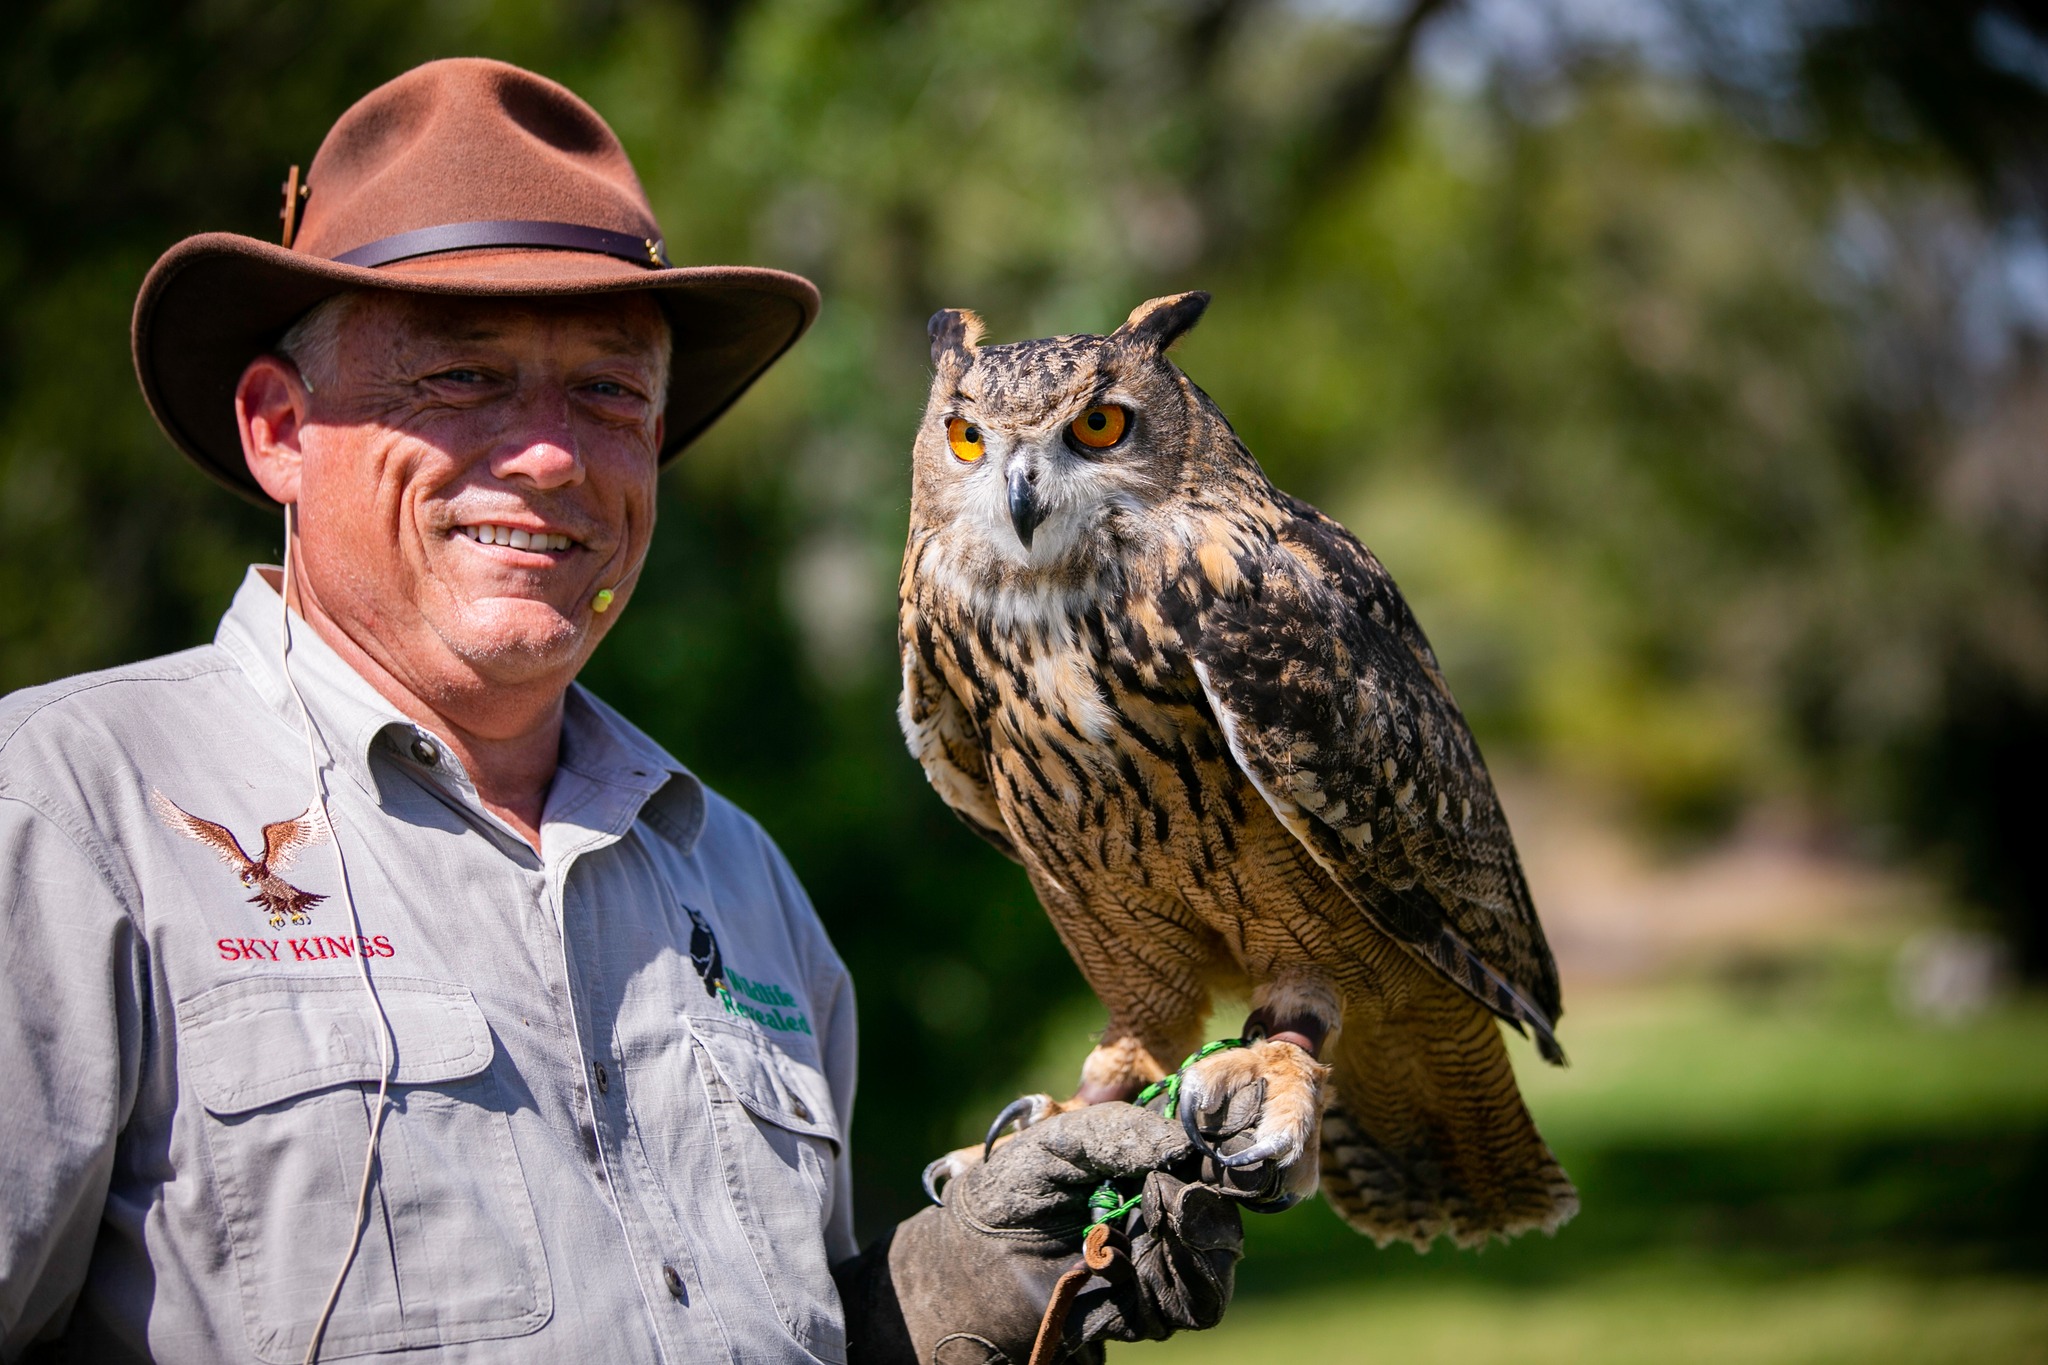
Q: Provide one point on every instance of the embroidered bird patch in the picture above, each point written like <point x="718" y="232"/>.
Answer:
<point x="704" y="955"/>
<point x="282" y="843"/>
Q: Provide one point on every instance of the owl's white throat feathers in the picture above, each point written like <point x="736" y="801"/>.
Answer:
<point x="1011" y="597"/>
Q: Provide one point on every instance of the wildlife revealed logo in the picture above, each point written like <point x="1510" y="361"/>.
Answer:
<point x="765" y="1003"/>
<point x="283" y="841"/>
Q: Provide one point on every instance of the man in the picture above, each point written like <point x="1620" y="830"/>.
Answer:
<point x="365" y="985"/>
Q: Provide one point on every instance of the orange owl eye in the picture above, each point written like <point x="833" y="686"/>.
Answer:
<point x="1099" y="428"/>
<point x="965" y="439"/>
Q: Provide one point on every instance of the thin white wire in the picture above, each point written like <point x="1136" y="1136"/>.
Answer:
<point x="384" y="1037"/>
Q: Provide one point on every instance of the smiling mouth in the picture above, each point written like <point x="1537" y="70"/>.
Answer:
<point x="516" y="537"/>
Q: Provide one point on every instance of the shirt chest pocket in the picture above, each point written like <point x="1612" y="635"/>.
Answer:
<point x="286" y="1072"/>
<point x="778" y="1142"/>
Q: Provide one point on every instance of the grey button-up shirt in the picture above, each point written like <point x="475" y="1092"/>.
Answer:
<point x="624" y="1067"/>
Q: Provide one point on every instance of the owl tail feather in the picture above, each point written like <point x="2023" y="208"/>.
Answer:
<point x="1462" y="964"/>
<point x="1425" y="1134"/>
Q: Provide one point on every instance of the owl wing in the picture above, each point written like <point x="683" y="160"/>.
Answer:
<point x="1331" y="701"/>
<point x="216" y="837"/>
<point x="942" y="734"/>
<point x="283" y="841"/>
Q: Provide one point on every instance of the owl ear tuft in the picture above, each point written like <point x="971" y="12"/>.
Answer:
<point x="954" y="331"/>
<point x="1158" y="323"/>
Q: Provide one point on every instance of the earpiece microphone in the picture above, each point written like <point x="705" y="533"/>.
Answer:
<point x="602" y="603"/>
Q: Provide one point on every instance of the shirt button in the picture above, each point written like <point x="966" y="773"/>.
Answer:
<point x="674" y="1281"/>
<point x="426" y="751"/>
<point x="604" y="1082"/>
<point x="797" y="1107"/>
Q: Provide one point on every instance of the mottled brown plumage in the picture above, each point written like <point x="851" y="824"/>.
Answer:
<point x="1202" y="717"/>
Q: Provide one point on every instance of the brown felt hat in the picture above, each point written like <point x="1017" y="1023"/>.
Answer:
<point x="466" y="177"/>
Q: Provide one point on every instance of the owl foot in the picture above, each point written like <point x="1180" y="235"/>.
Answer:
<point x="1021" y="1112"/>
<point x="1259" y="1106"/>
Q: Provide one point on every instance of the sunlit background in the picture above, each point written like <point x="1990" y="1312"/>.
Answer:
<point x="1687" y="362"/>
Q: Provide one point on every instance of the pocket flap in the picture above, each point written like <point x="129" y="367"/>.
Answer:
<point x="771" y="1083"/>
<point x="247" y="1044"/>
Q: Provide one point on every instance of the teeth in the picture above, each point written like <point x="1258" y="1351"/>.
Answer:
<point x="516" y="538"/>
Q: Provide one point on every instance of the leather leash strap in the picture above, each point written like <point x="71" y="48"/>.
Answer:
<point x="1097" y="1254"/>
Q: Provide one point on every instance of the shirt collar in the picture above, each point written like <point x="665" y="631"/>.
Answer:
<point x="354" y="719"/>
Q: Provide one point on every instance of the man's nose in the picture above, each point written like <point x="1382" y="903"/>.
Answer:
<point x="541" y="444"/>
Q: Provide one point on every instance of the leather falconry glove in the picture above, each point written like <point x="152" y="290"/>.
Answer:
<point x="967" y="1282"/>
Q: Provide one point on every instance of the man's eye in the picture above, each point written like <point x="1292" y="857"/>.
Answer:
<point x="605" y="388"/>
<point x="462" y="376"/>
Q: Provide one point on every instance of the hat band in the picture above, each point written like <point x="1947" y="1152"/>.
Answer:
<point x="643" y="251"/>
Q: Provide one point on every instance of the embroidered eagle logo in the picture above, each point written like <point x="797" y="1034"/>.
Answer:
<point x="704" y="954"/>
<point x="282" y="843"/>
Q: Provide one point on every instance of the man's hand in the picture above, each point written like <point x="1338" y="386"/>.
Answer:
<point x="967" y="1283"/>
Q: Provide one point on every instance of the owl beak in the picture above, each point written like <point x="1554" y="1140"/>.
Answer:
<point x="1025" y="509"/>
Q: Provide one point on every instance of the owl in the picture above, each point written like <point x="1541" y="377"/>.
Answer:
<point x="1201" y="716"/>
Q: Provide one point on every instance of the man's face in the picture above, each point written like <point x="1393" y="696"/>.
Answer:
<point x="449" y="427"/>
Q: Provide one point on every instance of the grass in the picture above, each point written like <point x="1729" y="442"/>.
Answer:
<point x="1817" y="1049"/>
<point x="1667" y="1317"/>
<point x="1776" y="1166"/>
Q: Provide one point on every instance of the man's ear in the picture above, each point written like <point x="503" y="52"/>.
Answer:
<point x="271" y="402"/>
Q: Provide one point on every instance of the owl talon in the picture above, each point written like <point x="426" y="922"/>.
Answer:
<point x="1023" y="1111"/>
<point x="936" y="1173"/>
<point x="1191" y="1125"/>
<point x="1266" y="1148"/>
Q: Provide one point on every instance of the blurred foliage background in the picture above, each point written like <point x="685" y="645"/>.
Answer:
<point x="1686" y="360"/>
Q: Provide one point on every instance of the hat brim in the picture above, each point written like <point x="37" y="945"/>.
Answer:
<point x="214" y="302"/>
